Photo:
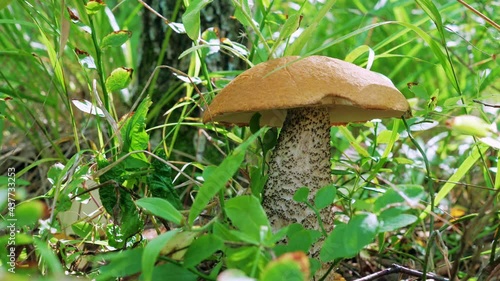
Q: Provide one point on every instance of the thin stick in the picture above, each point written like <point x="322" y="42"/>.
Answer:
<point x="494" y="24"/>
<point x="395" y="268"/>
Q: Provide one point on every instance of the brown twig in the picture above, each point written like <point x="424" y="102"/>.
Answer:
<point x="484" y="17"/>
<point x="487" y="104"/>
<point x="395" y="268"/>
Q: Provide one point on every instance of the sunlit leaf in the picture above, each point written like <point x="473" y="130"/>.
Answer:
<point x="115" y="39"/>
<point x="118" y="79"/>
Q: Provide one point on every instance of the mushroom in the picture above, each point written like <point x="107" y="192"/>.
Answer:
<point x="304" y="96"/>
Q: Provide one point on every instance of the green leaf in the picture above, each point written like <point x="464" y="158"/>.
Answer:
<point x="247" y="258"/>
<point x="385" y="137"/>
<point x="191" y="18"/>
<point x="223" y="232"/>
<point x="410" y="192"/>
<point x="270" y="139"/>
<point x="325" y="196"/>
<point x="358" y="51"/>
<point x="133" y="131"/>
<point x="290" y="26"/>
<point x="347" y="240"/>
<point x="151" y="252"/>
<point x="202" y="248"/>
<point x="301" y="194"/>
<point x="171" y="271"/>
<point x="121" y="264"/>
<point x="218" y="178"/>
<point x="299" y="239"/>
<point x="119" y="204"/>
<point x="118" y="79"/>
<point x="247" y="214"/>
<point x="255" y="122"/>
<point x="94" y="6"/>
<point x="394" y="218"/>
<point x="257" y="181"/>
<point x="160" y="181"/>
<point x="240" y="12"/>
<point x="115" y="39"/>
<point x="82" y="228"/>
<point x="161" y="208"/>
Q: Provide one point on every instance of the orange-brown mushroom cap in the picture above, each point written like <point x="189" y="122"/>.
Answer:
<point x="352" y="93"/>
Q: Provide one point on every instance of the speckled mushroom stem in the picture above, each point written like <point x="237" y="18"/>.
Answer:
<point x="301" y="158"/>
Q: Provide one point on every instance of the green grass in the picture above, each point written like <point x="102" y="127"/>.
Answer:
<point x="440" y="54"/>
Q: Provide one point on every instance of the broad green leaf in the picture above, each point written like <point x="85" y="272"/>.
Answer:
<point x="171" y="271"/>
<point x="270" y="139"/>
<point x="115" y="39"/>
<point x="255" y="122"/>
<point x="257" y="181"/>
<point x="222" y="231"/>
<point x="118" y="79"/>
<point x="325" y="196"/>
<point x="161" y="208"/>
<point x="202" y="248"/>
<point x="120" y="206"/>
<point x="411" y="192"/>
<point x="346" y="240"/>
<point x="151" y="252"/>
<point x="218" y="178"/>
<point x="191" y="18"/>
<point x="247" y="214"/>
<point x="299" y="239"/>
<point x="118" y="264"/>
<point x="393" y="219"/>
<point x="301" y="194"/>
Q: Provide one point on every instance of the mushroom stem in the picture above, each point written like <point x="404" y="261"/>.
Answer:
<point x="301" y="158"/>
